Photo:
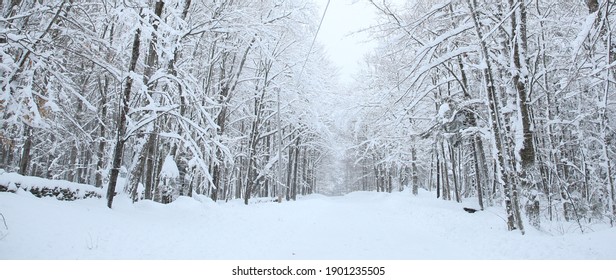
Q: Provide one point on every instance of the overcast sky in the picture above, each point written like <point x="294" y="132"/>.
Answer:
<point x="343" y="18"/>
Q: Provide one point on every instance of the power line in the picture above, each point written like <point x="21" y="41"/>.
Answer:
<point x="314" y="39"/>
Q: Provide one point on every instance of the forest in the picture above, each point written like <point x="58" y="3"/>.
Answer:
<point x="509" y="103"/>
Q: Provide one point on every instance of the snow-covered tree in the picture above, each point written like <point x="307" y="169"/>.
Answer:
<point x="509" y="99"/>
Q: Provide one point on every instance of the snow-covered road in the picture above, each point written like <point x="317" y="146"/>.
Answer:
<point x="356" y="226"/>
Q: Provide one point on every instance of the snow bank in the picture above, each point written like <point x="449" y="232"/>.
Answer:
<point x="62" y="190"/>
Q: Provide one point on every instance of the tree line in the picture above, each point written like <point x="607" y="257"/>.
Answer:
<point x="509" y="102"/>
<point x="161" y="98"/>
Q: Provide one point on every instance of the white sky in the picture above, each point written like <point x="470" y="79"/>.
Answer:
<point x="346" y="50"/>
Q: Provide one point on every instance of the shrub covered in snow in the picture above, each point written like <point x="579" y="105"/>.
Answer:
<point x="40" y="187"/>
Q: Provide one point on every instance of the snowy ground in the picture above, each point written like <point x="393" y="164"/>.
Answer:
<point x="356" y="226"/>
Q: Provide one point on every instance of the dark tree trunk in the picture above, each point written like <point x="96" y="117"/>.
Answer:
<point x="438" y="176"/>
<point x="377" y="178"/>
<point x="477" y="173"/>
<point x="25" y="151"/>
<point x="527" y="153"/>
<point x="121" y="130"/>
<point x="304" y="170"/>
<point x="414" y="177"/>
<point x="454" y="167"/>
<point x="295" y="167"/>
<point x="72" y="172"/>
<point x="289" y="170"/>
<point x="145" y="166"/>
<point x="390" y="185"/>
<point x="100" y="153"/>
<point x="150" y="172"/>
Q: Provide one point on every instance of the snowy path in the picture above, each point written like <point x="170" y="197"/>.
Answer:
<point x="356" y="226"/>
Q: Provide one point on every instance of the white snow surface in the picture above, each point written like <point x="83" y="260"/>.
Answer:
<point x="361" y="225"/>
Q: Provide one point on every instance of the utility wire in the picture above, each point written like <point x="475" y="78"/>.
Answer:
<point x="314" y="39"/>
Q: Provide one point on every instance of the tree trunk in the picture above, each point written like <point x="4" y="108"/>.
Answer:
<point x="493" y="104"/>
<point x="438" y="175"/>
<point x="182" y="165"/>
<point x="289" y="169"/>
<point x="305" y="170"/>
<point x="609" y="76"/>
<point x="295" y="167"/>
<point x="121" y="128"/>
<point x="477" y="173"/>
<point x="520" y="78"/>
<point x="25" y="151"/>
<point x="151" y="153"/>
<point x="414" y="177"/>
<point x="72" y="172"/>
<point x="139" y="159"/>
<point x="100" y="153"/>
<point x="454" y="166"/>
